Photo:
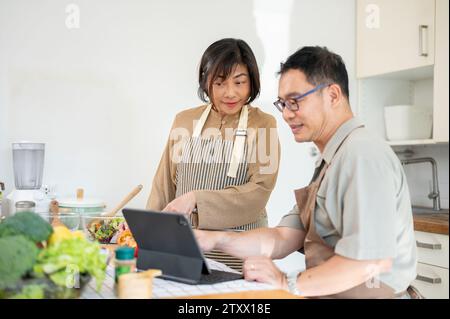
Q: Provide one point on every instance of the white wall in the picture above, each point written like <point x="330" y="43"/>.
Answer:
<point x="102" y="97"/>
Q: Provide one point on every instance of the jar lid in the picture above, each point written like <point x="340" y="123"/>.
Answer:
<point x="80" y="203"/>
<point x="25" y="204"/>
<point x="28" y="146"/>
<point x="124" y="253"/>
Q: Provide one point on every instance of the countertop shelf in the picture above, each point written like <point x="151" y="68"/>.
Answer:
<point x="412" y="142"/>
<point x="432" y="222"/>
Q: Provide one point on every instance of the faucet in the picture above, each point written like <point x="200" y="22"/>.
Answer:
<point x="434" y="195"/>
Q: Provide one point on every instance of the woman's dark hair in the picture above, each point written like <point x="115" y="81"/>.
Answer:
<point x="319" y="66"/>
<point x="219" y="60"/>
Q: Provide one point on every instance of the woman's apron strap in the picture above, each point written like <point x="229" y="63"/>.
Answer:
<point x="239" y="141"/>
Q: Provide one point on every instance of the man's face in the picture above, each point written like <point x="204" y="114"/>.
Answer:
<point x="308" y="122"/>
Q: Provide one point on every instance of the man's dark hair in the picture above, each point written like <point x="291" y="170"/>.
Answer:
<point x="319" y="66"/>
<point x="219" y="60"/>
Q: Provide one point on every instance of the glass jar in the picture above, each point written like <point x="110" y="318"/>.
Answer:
<point x="25" y="206"/>
<point x="124" y="262"/>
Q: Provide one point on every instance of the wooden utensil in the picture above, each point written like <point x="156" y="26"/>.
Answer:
<point x="54" y="209"/>
<point x="125" y="201"/>
<point x="80" y="193"/>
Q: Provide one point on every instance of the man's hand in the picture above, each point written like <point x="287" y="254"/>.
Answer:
<point x="184" y="204"/>
<point x="262" y="269"/>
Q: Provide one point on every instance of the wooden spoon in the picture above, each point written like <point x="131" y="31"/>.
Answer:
<point x="125" y="201"/>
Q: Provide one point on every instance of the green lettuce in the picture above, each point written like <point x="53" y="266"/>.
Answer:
<point x="66" y="260"/>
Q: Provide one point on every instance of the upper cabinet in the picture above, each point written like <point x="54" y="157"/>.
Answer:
<point x="394" y="35"/>
<point x="441" y="66"/>
<point x="402" y="60"/>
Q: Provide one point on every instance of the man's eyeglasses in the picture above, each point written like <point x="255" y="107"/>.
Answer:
<point x="292" y="102"/>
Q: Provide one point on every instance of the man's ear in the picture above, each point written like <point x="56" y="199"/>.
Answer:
<point x="335" y="93"/>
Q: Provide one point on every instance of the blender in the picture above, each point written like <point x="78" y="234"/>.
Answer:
<point x="28" y="165"/>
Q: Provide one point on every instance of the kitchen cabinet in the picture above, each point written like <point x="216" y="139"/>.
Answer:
<point x="394" y="35"/>
<point x="441" y="67"/>
<point x="432" y="267"/>
<point x="398" y="65"/>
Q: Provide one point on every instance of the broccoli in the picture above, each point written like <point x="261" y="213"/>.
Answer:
<point x="30" y="292"/>
<point x="27" y="224"/>
<point x="18" y="256"/>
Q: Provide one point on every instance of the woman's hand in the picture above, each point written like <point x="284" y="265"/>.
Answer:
<point x="184" y="204"/>
<point x="263" y="269"/>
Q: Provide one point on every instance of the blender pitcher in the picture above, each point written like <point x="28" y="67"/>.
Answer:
<point x="28" y="164"/>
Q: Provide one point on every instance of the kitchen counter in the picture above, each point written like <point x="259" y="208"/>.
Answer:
<point x="107" y="291"/>
<point x="431" y="222"/>
<point x="264" y="294"/>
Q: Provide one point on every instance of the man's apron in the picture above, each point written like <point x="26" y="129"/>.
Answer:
<point x="214" y="164"/>
<point x="317" y="251"/>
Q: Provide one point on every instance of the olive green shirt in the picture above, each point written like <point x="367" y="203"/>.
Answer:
<point x="363" y="207"/>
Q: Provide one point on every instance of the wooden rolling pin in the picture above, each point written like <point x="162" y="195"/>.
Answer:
<point x="125" y="201"/>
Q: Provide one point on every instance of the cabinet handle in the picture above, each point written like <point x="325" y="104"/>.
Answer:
<point x="423" y="40"/>
<point x="428" y="245"/>
<point x="436" y="280"/>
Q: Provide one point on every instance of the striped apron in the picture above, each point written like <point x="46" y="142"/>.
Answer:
<point x="214" y="164"/>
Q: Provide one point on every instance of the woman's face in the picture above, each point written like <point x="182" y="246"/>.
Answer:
<point x="231" y="94"/>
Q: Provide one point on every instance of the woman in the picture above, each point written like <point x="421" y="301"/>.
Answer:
<point x="221" y="161"/>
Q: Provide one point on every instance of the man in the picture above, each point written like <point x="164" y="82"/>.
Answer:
<point x="354" y="220"/>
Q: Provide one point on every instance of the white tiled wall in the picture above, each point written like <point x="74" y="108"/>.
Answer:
<point x="419" y="175"/>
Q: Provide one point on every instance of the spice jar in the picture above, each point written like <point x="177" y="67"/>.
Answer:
<point x="124" y="262"/>
<point x="25" y="206"/>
